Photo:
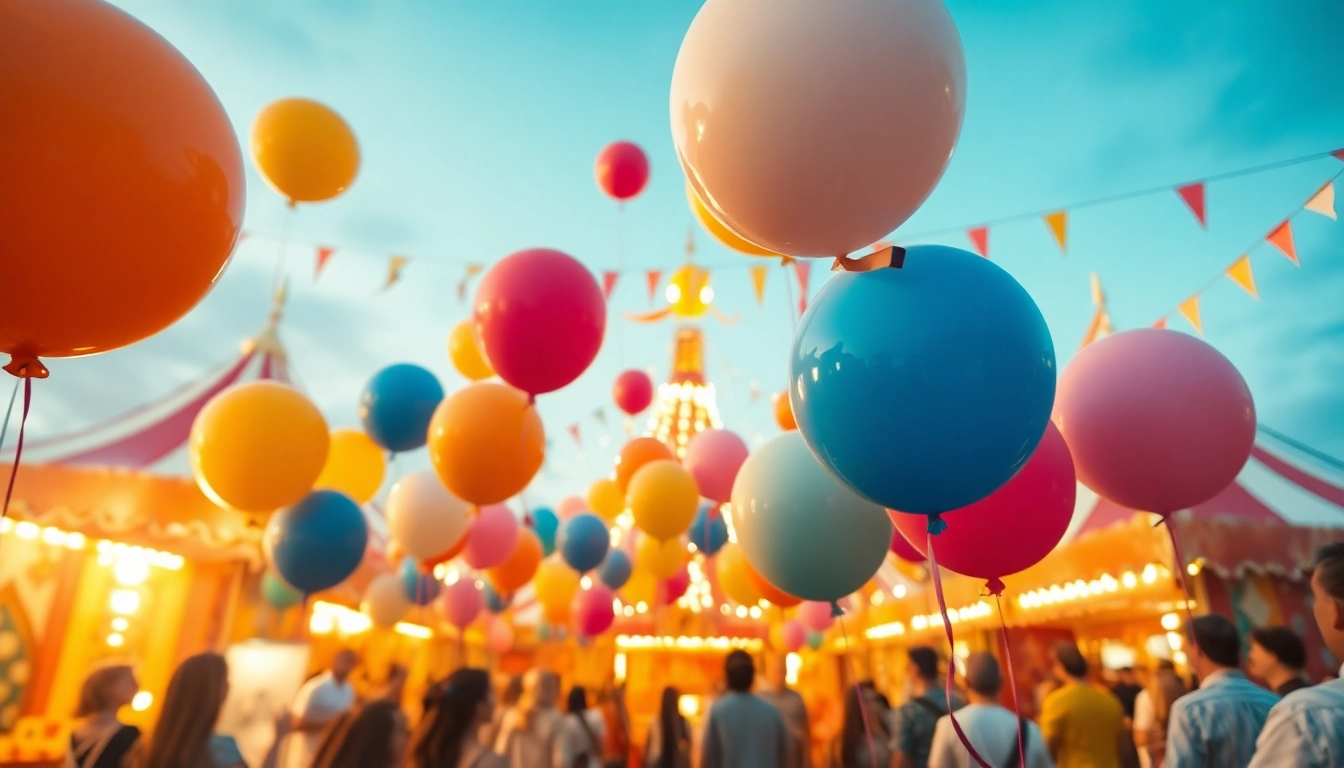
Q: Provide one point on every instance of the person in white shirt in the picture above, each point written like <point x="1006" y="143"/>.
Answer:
<point x="581" y="734"/>
<point x="1306" y="728"/>
<point x="991" y="729"/>
<point x="319" y="701"/>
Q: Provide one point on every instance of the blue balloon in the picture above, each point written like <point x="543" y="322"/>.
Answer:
<point x="615" y="569"/>
<point x="397" y="404"/>
<point x="317" y="543"/>
<point x="277" y="593"/>
<point x="419" y="588"/>
<point x="708" y="530"/>
<point x="545" y="524"/>
<point x="583" y="541"/>
<point x="923" y="388"/>
<point x="493" y="602"/>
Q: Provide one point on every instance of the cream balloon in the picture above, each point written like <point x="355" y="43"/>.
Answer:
<point x="384" y="603"/>
<point x="424" y="517"/>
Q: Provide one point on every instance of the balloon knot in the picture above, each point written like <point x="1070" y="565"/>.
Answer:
<point x="936" y="524"/>
<point x="528" y="521"/>
<point x="994" y="587"/>
<point x="836" y="610"/>
<point x="890" y="257"/>
<point x="531" y="400"/>
<point x="26" y="367"/>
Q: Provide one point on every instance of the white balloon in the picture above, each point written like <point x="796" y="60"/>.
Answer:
<point x="384" y="602"/>
<point x="424" y="517"/>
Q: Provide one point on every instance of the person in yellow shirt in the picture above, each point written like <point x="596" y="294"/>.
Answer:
<point x="1084" y="726"/>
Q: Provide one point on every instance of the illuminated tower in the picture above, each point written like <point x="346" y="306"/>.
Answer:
<point x="686" y="403"/>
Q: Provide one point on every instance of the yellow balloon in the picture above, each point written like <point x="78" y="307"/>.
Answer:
<point x="641" y="588"/>
<point x="720" y="232"/>
<point x="555" y="585"/>
<point x="257" y="447"/>
<point x="605" y="499"/>
<point x="355" y="465"/>
<point x="465" y="352"/>
<point x="660" y="558"/>
<point x="731" y="567"/>
<point x="663" y="498"/>
<point x="304" y="150"/>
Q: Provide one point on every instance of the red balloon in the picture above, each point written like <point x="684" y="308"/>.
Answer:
<point x="902" y="548"/>
<point x="540" y="316"/>
<point x="622" y="170"/>
<point x="676" y="585"/>
<point x="633" y="391"/>
<point x="1013" y="528"/>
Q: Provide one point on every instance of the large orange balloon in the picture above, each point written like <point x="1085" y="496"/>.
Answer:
<point x="784" y="412"/>
<point x="257" y="447"/>
<point x="486" y="442"/>
<point x="510" y="575"/>
<point x="663" y="498"/>
<point x="636" y="454"/>
<point x="304" y="150"/>
<point x="465" y="351"/>
<point x="769" y="591"/>
<point x="121" y="181"/>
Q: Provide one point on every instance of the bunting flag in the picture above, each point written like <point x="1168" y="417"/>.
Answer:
<point x="1323" y="202"/>
<point x="979" y="240"/>
<point x="324" y="253"/>
<point x="1240" y="273"/>
<point x="609" y="283"/>
<point x="802" y="269"/>
<point x="1161" y="323"/>
<point x="1190" y="311"/>
<point x="395" y="265"/>
<point x="755" y="392"/>
<point x="468" y="273"/>
<point x="574" y="433"/>
<point x="1058" y="222"/>
<point x="1193" y="195"/>
<point x="1282" y="238"/>
<point x="758" y="275"/>
<point x="601" y="415"/>
<point x="653" y="277"/>
<point x="1339" y="154"/>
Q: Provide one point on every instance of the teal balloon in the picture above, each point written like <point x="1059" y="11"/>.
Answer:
<point x="545" y="524"/>
<point x="800" y="528"/>
<point x="278" y="594"/>
<point x="815" y="639"/>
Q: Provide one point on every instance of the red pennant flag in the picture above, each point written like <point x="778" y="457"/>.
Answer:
<point x="980" y="239"/>
<point x="1161" y="323"/>
<point x="609" y="283"/>
<point x="574" y="433"/>
<point x="802" y="269"/>
<point x="323" y="256"/>
<point x="653" y="277"/>
<point x="1193" y="195"/>
<point x="1282" y="238"/>
<point x="1339" y="154"/>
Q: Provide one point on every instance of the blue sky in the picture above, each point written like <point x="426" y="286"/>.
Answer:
<point x="479" y="122"/>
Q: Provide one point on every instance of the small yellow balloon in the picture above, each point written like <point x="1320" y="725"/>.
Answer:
<point x="257" y="447"/>
<point x="641" y="588"/>
<point x="731" y="567"/>
<point x="304" y="150"/>
<point x="720" y="232"/>
<point x="660" y="558"/>
<point x="465" y="352"/>
<point x="355" y="465"/>
<point x="555" y="585"/>
<point x="663" y="498"/>
<point x="605" y="499"/>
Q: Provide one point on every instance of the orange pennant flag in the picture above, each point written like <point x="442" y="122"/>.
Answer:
<point x="1193" y="195"/>
<point x="1240" y="273"/>
<point x="758" y="275"/>
<point x="1190" y="310"/>
<point x="1058" y="222"/>
<point x="574" y="433"/>
<point x="1282" y="238"/>
<point x="1161" y="323"/>
<point x="609" y="283"/>
<point x="980" y="240"/>
<point x="324" y="253"/>
<point x="395" y="265"/>
<point x="1323" y="202"/>
<point x="653" y="277"/>
<point x="471" y="271"/>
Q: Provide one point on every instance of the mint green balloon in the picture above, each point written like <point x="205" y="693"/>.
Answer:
<point x="277" y="593"/>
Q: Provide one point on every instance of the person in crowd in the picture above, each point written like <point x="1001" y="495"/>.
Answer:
<point x="1083" y="725"/>
<point x="581" y="736"/>
<point x="393" y="687"/>
<point x="527" y="731"/>
<point x="1152" y="710"/>
<point x="863" y="739"/>
<point x="373" y="736"/>
<point x="184" y="736"/>
<point x="886" y="716"/>
<point x="1126" y="689"/>
<point x="448" y="733"/>
<point x="508" y="699"/>
<point x="669" y="742"/>
<point x="1306" y="728"/>
<point x="322" y="699"/>
<point x="618" y="728"/>
<point x="917" y="718"/>
<point x="991" y="729"/>
<point x="1277" y="656"/>
<point x="99" y="739"/>
<point x="743" y="731"/>
<point x="794" y="711"/>
<point x="1217" y="724"/>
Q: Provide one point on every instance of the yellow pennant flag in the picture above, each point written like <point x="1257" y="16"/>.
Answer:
<point x="1240" y="273"/>
<point x="1323" y="202"/>
<point x="1190" y="310"/>
<point x="1058" y="222"/>
<point x="395" y="264"/>
<point x="758" y="275"/>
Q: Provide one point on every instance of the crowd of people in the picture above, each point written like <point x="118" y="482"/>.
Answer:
<point x="1220" y="718"/>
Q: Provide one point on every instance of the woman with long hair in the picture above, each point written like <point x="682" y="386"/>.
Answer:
<point x="580" y="740"/>
<point x="508" y="699"/>
<point x="447" y="736"/>
<point x="185" y="735"/>
<point x="527" y="732"/>
<point x="863" y="743"/>
<point x="99" y="739"/>
<point x="372" y="737"/>
<point x="1152" y="709"/>
<point x="669" y="742"/>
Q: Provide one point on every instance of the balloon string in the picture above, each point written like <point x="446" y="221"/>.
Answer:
<point x="18" y="448"/>
<point x="1012" y="682"/>
<point x="952" y="654"/>
<point x="4" y="427"/>
<point x="858" y="694"/>
<point x="1185" y="584"/>
<point x="283" y="248"/>
<point x="620" y="265"/>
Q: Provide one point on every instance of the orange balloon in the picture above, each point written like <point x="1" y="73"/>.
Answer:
<point x="304" y="150"/>
<point x="121" y="181"/>
<point x="464" y="349"/>
<point x="486" y="442"/>
<point x="784" y="412"/>
<point x="510" y="575"/>
<point x="769" y="591"/>
<point x="636" y="454"/>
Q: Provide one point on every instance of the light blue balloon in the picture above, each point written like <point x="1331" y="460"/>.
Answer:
<point x="801" y="528"/>
<point x="583" y="541"/>
<point x="397" y="405"/>
<point x="493" y="602"/>
<point x="708" y="530"/>
<point x="277" y="593"/>
<point x="545" y="524"/>
<point x="615" y="569"/>
<point x="317" y="543"/>
<point x="419" y="588"/>
<point x="923" y="388"/>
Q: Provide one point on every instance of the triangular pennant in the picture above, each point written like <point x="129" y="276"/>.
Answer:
<point x="755" y="392"/>
<point x="1058" y="222"/>
<point x="609" y="283"/>
<point x="802" y="269"/>
<point x="1339" y="154"/>
<point x="324" y="253"/>
<point x="1323" y="202"/>
<point x="1193" y="195"/>
<point x="473" y="270"/>
<point x="758" y="275"/>
<point x="1240" y="273"/>
<point x="980" y="240"/>
<point x="469" y="272"/>
<point x="395" y="265"/>
<point x="1190" y="310"/>
<point x="1161" y="323"/>
<point x="574" y="433"/>
<point x="601" y="415"/>
<point x="1282" y="238"/>
<point x="653" y="277"/>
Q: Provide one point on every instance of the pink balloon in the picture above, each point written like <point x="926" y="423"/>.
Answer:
<point x="816" y="128"/>
<point x="570" y="506"/>
<point x="540" y="316"/>
<point x="713" y="458"/>
<point x="904" y="549"/>
<point x="499" y="637"/>
<point x="491" y="538"/>
<point x="462" y="602"/>
<point x="676" y="585"/>
<point x="1011" y="529"/>
<point x="633" y="391"/>
<point x="815" y="616"/>
<point x="794" y="634"/>
<point x="1157" y="420"/>
<point x="622" y="170"/>
<point x="593" y="610"/>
